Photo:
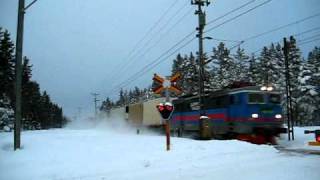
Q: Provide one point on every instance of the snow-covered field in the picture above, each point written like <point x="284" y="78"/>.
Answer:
<point x="103" y="153"/>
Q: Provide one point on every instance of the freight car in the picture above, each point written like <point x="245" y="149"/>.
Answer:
<point x="240" y="112"/>
<point x="141" y="114"/>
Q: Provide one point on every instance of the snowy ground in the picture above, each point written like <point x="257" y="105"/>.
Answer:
<point x="103" y="153"/>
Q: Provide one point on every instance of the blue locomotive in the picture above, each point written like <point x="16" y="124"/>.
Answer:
<point x="249" y="110"/>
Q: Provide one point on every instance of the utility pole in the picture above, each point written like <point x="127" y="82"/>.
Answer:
<point x="201" y="24"/>
<point x="286" y="47"/>
<point x="200" y="28"/>
<point x="19" y="44"/>
<point x="18" y="59"/>
<point x="95" y="100"/>
<point x="79" y="112"/>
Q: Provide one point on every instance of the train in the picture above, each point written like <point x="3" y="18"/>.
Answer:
<point x="244" y="112"/>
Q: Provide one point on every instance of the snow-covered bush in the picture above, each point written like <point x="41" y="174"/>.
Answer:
<point x="6" y="116"/>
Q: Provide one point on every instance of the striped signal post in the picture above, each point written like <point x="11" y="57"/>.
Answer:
<point x="166" y="109"/>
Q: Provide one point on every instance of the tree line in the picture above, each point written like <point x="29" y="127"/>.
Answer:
<point x="264" y="69"/>
<point x="38" y="111"/>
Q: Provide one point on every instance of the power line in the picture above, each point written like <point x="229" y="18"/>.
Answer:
<point x="235" y="17"/>
<point x="309" y="38"/>
<point x="296" y="35"/>
<point x="164" y="26"/>
<point x="307" y="42"/>
<point x="130" y="80"/>
<point x="150" y="66"/>
<point x="230" y="12"/>
<point x="224" y="15"/>
<point x="146" y="35"/>
<point x="128" y="65"/>
<point x="281" y="27"/>
<point x="226" y="40"/>
<point x="307" y="31"/>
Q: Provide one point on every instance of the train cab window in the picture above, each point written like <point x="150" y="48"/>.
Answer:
<point x="234" y="100"/>
<point x="217" y="102"/>
<point x="275" y="98"/>
<point x="255" y="98"/>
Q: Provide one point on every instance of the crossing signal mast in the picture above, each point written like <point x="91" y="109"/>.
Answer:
<point x="165" y="109"/>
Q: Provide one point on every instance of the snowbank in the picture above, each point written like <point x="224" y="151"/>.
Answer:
<point x="104" y="154"/>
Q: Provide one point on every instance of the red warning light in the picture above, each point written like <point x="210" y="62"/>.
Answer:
<point x="169" y="108"/>
<point x="160" y="107"/>
<point x="165" y="110"/>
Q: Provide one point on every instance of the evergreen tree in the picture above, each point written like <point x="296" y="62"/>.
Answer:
<point x="309" y="82"/>
<point x="7" y="66"/>
<point x="223" y="69"/>
<point x="309" y="98"/>
<point x="253" y="70"/>
<point x="241" y="64"/>
<point x="191" y="75"/>
<point x="106" y="105"/>
<point x="121" y="100"/>
<point x="6" y="115"/>
<point x="264" y="77"/>
<point x="280" y="69"/>
<point x="294" y="59"/>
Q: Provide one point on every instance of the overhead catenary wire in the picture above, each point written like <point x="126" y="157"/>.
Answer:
<point x="230" y="12"/>
<point x="295" y="35"/>
<point x="135" y="47"/>
<point x="147" y="50"/>
<point x="281" y="27"/>
<point x="229" y="20"/>
<point x="309" y="38"/>
<point x="307" y="31"/>
<point x="148" y="68"/>
<point x="216" y="19"/>
<point x="239" y="15"/>
<point x="307" y="42"/>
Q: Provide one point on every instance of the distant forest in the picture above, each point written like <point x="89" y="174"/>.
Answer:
<point x="38" y="111"/>
<point x="267" y="68"/>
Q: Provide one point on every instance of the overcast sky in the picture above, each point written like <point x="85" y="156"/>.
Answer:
<point x="79" y="46"/>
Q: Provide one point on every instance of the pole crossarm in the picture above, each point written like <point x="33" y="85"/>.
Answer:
<point x="29" y="5"/>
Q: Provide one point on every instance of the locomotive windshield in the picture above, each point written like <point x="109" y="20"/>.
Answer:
<point x="254" y="98"/>
<point x="275" y="98"/>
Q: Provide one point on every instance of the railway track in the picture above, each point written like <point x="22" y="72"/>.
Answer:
<point x="299" y="151"/>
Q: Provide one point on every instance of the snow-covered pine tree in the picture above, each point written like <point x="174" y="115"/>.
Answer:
<point x="241" y="64"/>
<point x="309" y="97"/>
<point x="6" y="115"/>
<point x="309" y="101"/>
<point x="106" y="105"/>
<point x="253" y="69"/>
<point x="265" y="74"/>
<point x="279" y="68"/>
<point x="223" y="69"/>
<point x="7" y="66"/>
<point x="207" y="76"/>
<point x="177" y="68"/>
<point x="294" y="59"/>
<point x="121" y="100"/>
<point x="191" y="78"/>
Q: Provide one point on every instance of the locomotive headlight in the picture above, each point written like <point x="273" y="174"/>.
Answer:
<point x="278" y="116"/>
<point x="270" y="88"/>
<point x="263" y="88"/>
<point x="254" y="115"/>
